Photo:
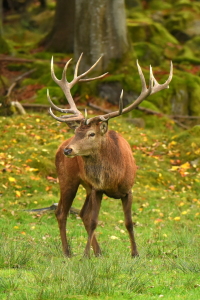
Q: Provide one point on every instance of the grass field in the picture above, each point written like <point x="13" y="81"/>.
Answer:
<point x="166" y="211"/>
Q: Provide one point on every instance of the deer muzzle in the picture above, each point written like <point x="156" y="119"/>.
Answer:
<point x="67" y="151"/>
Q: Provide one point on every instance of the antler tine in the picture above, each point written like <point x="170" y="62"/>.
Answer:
<point x="152" y="80"/>
<point x="121" y="102"/>
<point x="62" y="110"/>
<point x="52" y="71"/>
<point x="79" y="78"/>
<point x="65" y="70"/>
<point x="106" y="117"/>
<point x="77" y="66"/>
<point x="142" y="79"/>
<point x="94" y="78"/>
<point x="66" y="119"/>
<point x="158" y="87"/>
<point x="92" y="67"/>
<point x="55" y="117"/>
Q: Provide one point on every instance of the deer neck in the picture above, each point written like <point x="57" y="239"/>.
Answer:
<point x="96" y="167"/>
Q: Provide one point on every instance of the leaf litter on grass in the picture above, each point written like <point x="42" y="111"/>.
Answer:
<point x="166" y="206"/>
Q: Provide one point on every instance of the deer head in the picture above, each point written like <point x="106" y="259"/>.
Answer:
<point x="88" y="138"/>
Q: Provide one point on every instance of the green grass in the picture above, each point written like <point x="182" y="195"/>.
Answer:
<point x="166" y="211"/>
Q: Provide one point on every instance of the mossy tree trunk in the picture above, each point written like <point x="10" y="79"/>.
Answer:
<point x="61" y="37"/>
<point x="100" y="29"/>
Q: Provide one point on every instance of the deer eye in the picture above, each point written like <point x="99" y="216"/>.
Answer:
<point x="92" y="134"/>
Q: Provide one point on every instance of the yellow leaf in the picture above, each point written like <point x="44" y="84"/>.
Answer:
<point x="153" y="188"/>
<point x="114" y="237"/>
<point x="121" y="221"/>
<point x="197" y="152"/>
<point x="177" y="219"/>
<point x="185" y="166"/>
<point x="174" y="168"/>
<point x="18" y="194"/>
<point x="32" y="170"/>
<point x="193" y="145"/>
<point x="37" y="137"/>
<point x="173" y="143"/>
<point x="11" y="179"/>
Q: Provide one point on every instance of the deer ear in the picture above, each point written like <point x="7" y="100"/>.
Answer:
<point x="103" y="127"/>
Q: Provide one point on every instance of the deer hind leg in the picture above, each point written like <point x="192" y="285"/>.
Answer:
<point x="85" y="215"/>
<point x="66" y="199"/>
<point x="94" y="204"/>
<point x="127" y="203"/>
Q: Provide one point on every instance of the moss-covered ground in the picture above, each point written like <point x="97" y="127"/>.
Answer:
<point x="166" y="211"/>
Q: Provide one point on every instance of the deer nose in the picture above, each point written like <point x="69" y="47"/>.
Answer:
<point x="67" y="151"/>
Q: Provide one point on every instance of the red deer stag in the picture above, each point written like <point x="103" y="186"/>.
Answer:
<point x="99" y="159"/>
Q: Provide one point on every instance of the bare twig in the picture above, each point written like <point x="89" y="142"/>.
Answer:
<point x="36" y="106"/>
<point x="53" y="207"/>
<point x="4" y="58"/>
<point x="17" y="80"/>
<point x="96" y="107"/>
<point x="180" y="124"/>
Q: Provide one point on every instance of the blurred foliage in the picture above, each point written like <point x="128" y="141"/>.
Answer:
<point x="159" y="31"/>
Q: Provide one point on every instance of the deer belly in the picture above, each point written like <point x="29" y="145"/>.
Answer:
<point x="115" y="194"/>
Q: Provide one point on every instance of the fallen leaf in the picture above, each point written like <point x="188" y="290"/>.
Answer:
<point x="12" y="179"/>
<point x="17" y="194"/>
<point x="113" y="237"/>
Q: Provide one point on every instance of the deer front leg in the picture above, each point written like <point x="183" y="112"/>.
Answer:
<point x="127" y="205"/>
<point x="95" y="202"/>
<point x="85" y="216"/>
<point x="67" y="197"/>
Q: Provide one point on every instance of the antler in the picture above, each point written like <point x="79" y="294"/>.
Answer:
<point x="154" y="87"/>
<point x="76" y="115"/>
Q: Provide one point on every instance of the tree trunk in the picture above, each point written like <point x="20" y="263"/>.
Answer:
<point x="100" y="28"/>
<point x="61" y="37"/>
